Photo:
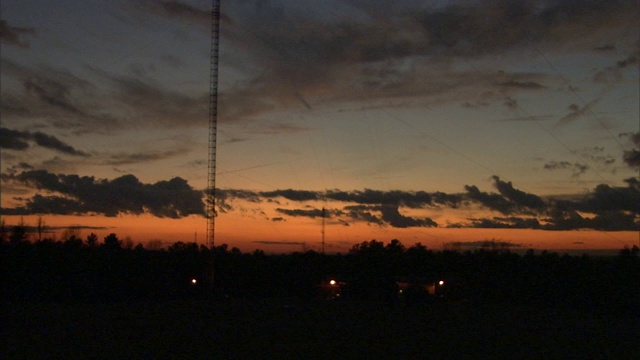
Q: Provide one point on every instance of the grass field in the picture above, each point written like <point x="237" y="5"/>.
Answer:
<point x="289" y="329"/>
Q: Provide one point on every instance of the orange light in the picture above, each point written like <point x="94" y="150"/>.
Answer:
<point x="332" y="282"/>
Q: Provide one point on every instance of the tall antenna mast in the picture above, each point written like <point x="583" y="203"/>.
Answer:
<point x="213" y="122"/>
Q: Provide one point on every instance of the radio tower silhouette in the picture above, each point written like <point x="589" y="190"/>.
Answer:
<point x="213" y="138"/>
<point x="213" y="123"/>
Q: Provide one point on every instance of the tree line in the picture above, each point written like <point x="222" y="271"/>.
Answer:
<point x="94" y="270"/>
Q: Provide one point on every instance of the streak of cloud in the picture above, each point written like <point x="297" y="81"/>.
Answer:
<point x="57" y="96"/>
<point x="142" y="157"/>
<point x="531" y="85"/>
<point x="18" y="140"/>
<point x="310" y="213"/>
<point x="12" y="35"/>
<point x="576" y="168"/>
<point x="576" y="112"/>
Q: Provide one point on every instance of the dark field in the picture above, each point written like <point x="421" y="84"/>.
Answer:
<point x="291" y="329"/>
<point x="78" y="300"/>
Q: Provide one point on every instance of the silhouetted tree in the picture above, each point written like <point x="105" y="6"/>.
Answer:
<point x="73" y="242"/>
<point x="395" y="247"/>
<point x="40" y="227"/>
<point x="111" y="241"/>
<point x="417" y="260"/>
<point x="368" y="248"/>
<point x="183" y="247"/>
<point x="92" y="240"/>
<point x="18" y="233"/>
<point x="128" y="243"/>
<point x="3" y="231"/>
<point x="70" y="232"/>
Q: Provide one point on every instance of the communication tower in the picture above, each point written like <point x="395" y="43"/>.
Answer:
<point x="213" y="123"/>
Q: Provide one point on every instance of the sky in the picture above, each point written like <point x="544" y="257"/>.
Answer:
<point x="447" y="123"/>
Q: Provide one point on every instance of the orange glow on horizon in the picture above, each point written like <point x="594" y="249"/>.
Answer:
<point x="251" y="233"/>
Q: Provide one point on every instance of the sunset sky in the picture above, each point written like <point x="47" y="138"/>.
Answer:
<point x="437" y="122"/>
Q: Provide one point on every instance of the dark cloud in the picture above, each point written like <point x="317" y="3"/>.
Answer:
<point x="484" y="99"/>
<point x="506" y="223"/>
<point x="605" y="221"/>
<point x="577" y="168"/>
<point x="225" y="197"/>
<point x="73" y="194"/>
<point x="12" y="170"/>
<point x="392" y="216"/>
<point x="485" y="244"/>
<point x="373" y="50"/>
<point x="376" y="207"/>
<point x="510" y="103"/>
<point x="531" y="85"/>
<point x="238" y="194"/>
<point x="519" y="197"/>
<point x="267" y="242"/>
<point x="495" y="26"/>
<point x="615" y="73"/>
<point x="362" y="213"/>
<point x="587" y="211"/>
<point x="51" y="142"/>
<point x="277" y="128"/>
<point x="605" y="48"/>
<point x="607" y="207"/>
<point x="52" y="92"/>
<point x="465" y="31"/>
<point x="527" y="118"/>
<point x="576" y="112"/>
<point x="142" y="157"/>
<point x="509" y="200"/>
<point x="394" y="197"/>
<point x="632" y="157"/>
<point x="17" y="140"/>
<point x="608" y="198"/>
<point x="310" y="213"/>
<point x="295" y="195"/>
<point x="379" y="50"/>
<point x="13" y="139"/>
<point x="597" y="155"/>
<point x="12" y="35"/>
<point x="451" y="200"/>
<point x="149" y="103"/>
<point x="68" y="101"/>
<point x="631" y="60"/>
<point x="609" y="75"/>
<point x="492" y="201"/>
<point x="57" y="96"/>
<point x="182" y="11"/>
<point x="388" y="214"/>
<point x="603" y="204"/>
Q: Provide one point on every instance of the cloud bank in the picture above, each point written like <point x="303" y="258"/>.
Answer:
<point x="604" y="208"/>
<point x="85" y="195"/>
